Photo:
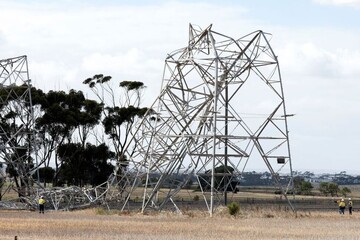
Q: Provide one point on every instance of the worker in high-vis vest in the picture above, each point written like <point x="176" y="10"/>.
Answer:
<point x="350" y="205"/>
<point x="342" y="206"/>
<point x="42" y="204"/>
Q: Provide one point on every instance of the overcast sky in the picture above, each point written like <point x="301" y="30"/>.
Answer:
<point x="317" y="42"/>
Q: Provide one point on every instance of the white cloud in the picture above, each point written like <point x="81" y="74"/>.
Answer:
<point x="321" y="77"/>
<point x="108" y="63"/>
<point x="58" y="75"/>
<point x="320" y="69"/>
<point x="309" y="59"/>
<point x="120" y="39"/>
<point x="350" y="3"/>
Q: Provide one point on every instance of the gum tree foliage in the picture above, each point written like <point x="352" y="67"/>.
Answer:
<point x="67" y="117"/>
<point x="46" y="175"/>
<point x="121" y="111"/>
<point x="301" y="186"/>
<point x="66" y="120"/>
<point x="331" y="188"/>
<point x="345" y="191"/>
<point x="60" y="118"/>
<point x="85" y="165"/>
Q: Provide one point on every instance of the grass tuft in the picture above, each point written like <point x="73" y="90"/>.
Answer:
<point x="233" y="208"/>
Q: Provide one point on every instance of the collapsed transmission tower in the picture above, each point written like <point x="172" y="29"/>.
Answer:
<point x="18" y="147"/>
<point x="221" y="109"/>
<point x="17" y="124"/>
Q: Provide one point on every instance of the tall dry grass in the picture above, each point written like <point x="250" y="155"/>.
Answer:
<point x="253" y="223"/>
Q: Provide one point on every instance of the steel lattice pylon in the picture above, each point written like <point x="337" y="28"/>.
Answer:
<point x="221" y="109"/>
<point x="18" y="150"/>
<point x="207" y="124"/>
<point x="17" y="122"/>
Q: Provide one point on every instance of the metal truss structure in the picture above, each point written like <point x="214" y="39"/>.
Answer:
<point x="221" y="109"/>
<point x="17" y="147"/>
<point x="17" y="122"/>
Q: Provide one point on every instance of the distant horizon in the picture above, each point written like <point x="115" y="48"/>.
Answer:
<point x="315" y="171"/>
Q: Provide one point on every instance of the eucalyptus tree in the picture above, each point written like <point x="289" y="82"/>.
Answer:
<point x="67" y="118"/>
<point x="53" y="126"/>
<point x="121" y="111"/>
<point x="46" y="175"/>
<point x="85" y="165"/>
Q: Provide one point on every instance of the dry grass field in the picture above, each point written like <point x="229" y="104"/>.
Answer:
<point x="262" y="216"/>
<point x="95" y="224"/>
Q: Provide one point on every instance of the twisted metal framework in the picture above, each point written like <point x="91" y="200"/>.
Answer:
<point x="18" y="149"/>
<point x="221" y="107"/>
<point x="17" y="122"/>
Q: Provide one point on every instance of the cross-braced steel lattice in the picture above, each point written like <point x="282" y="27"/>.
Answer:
<point x="18" y="152"/>
<point x="17" y="124"/>
<point x="221" y="108"/>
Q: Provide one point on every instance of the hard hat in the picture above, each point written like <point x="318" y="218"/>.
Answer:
<point x="349" y="199"/>
<point x="342" y="199"/>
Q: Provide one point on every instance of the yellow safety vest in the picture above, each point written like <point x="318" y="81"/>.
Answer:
<point x="342" y="204"/>
<point x="42" y="201"/>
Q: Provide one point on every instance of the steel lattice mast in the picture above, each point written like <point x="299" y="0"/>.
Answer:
<point x="200" y="125"/>
<point x="221" y="109"/>
<point x="17" y="134"/>
<point x="18" y="150"/>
